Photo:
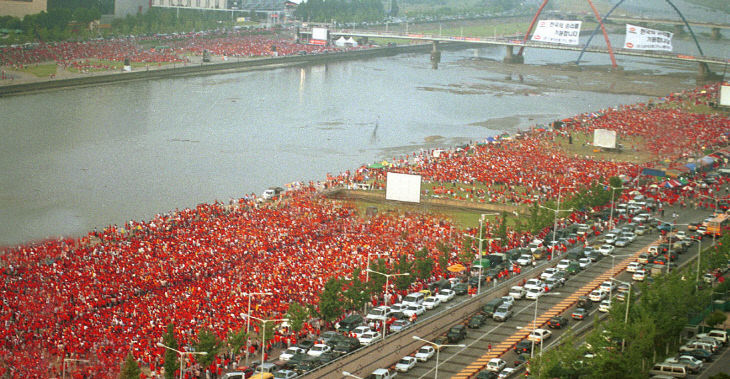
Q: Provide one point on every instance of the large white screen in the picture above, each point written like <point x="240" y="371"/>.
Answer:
<point x="725" y="96"/>
<point x="403" y="187"/>
<point x="319" y="33"/>
<point x="604" y="138"/>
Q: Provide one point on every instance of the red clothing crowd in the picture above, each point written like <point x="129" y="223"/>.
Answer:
<point x="114" y="291"/>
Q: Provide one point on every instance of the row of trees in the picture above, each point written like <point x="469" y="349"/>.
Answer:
<point x="341" y="11"/>
<point x="627" y="347"/>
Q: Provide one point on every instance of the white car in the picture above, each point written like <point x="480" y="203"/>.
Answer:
<point x="610" y="238"/>
<point x="517" y="292"/>
<point x="379" y="313"/>
<point x="290" y="352"/>
<point x="414" y="309"/>
<point x="369" y="338"/>
<point x="398" y="307"/>
<point x="496" y="365"/>
<point x="524" y="260"/>
<point x="508" y="299"/>
<point x="506" y="373"/>
<point x="318" y="349"/>
<point x="432" y="302"/>
<point x="597" y="295"/>
<point x="622" y="242"/>
<point x="633" y="267"/>
<point x="405" y="364"/>
<point x="584" y="262"/>
<point x="563" y="264"/>
<point x="606" y="249"/>
<point x="534" y="293"/>
<point x="608" y="286"/>
<point x="533" y="283"/>
<point x="630" y="235"/>
<point x="639" y="275"/>
<point x="425" y="353"/>
<point x="605" y="306"/>
<point x="548" y="273"/>
<point x="539" y="335"/>
<point x="445" y="295"/>
<point x="360" y="330"/>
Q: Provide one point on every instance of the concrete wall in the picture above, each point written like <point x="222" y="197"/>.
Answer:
<point x="21" y="8"/>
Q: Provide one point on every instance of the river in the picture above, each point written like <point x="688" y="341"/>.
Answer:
<point x="81" y="158"/>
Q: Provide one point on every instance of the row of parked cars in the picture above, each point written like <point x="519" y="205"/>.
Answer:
<point x="692" y="355"/>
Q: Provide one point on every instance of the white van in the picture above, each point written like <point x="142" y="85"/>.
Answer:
<point x="415" y="298"/>
<point x="674" y="370"/>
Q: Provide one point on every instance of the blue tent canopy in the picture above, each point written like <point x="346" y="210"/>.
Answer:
<point x="691" y="166"/>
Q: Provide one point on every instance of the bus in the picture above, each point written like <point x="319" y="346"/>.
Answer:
<point x="717" y="224"/>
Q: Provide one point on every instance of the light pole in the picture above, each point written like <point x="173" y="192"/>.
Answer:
<point x="263" y="331"/>
<point x="182" y="355"/>
<point x="345" y="373"/>
<point x="63" y="365"/>
<point x="248" y="320"/>
<point x="555" y="227"/>
<point x="699" y="256"/>
<point x="438" y="350"/>
<point x="613" y="192"/>
<point x="385" y="293"/>
<point x="628" y="304"/>
<point x="367" y="274"/>
<point x="714" y="212"/>
<point x="669" y="250"/>
<point x="613" y="260"/>
<point x="534" y="322"/>
<point x="480" y="239"/>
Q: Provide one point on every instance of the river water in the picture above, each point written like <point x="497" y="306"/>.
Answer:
<point x="81" y="158"/>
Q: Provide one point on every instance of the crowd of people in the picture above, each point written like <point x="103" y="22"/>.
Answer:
<point x="113" y="291"/>
<point x="81" y="55"/>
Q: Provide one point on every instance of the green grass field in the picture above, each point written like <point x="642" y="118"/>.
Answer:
<point x="41" y="70"/>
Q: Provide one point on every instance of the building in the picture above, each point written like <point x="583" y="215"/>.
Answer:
<point x="20" y="8"/>
<point x="122" y="8"/>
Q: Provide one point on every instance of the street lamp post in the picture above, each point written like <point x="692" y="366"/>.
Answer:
<point x="367" y="273"/>
<point x="182" y="355"/>
<point x="263" y="332"/>
<point x="385" y="293"/>
<point x="699" y="257"/>
<point x="669" y="250"/>
<point x="480" y="239"/>
<point x="555" y="227"/>
<point x="438" y="350"/>
<point x="628" y="304"/>
<point x="613" y="192"/>
<point x="63" y="365"/>
<point x="613" y="261"/>
<point x="248" y="320"/>
<point x="534" y="323"/>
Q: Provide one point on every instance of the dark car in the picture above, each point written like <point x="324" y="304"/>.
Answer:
<point x="328" y="357"/>
<point x="305" y="344"/>
<point x="461" y="289"/>
<point x="701" y="354"/>
<point x="579" y="314"/>
<point x="308" y="364"/>
<point x="456" y="333"/>
<point x="474" y="280"/>
<point x="477" y="321"/>
<point x="330" y="337"/>
<point x="521" y="358"/>
<point x="585" y="302"/>
<point x="346" y="345"/>
<point x="558" y="322"/>
<point x="484" y="374"/>
<point x="523" y="347"/>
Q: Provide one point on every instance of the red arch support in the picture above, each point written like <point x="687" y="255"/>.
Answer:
<point x="598" y="17"/>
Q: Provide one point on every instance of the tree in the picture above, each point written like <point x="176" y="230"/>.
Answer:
<point x="394" y="9"/>
<point x="502" y="230"/>
<point x="236" y="340"/>
<point x="209" y="343"/>
<point x="715" y="318"/>
<point x="357" y="293"/>
<point x="330" y="301"/>
<point x="171" y="360"/>
<point x="130" y="368"/>
<point x="402" y="282"/>
<point x="445" y="254"/>
<point x="297" y="314"/>
<point x="424" y="264"/>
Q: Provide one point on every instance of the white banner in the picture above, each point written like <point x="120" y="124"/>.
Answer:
<point x="640" y="38"/>
<point x="556" y="31"/>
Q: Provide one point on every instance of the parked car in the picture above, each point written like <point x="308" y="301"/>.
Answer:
<point x="290" y="352"/>
<point x="557" y="322"/>
<point x="701" y="354"/>
<point x="456" y="333"/>
<point x="633" y="266"/>
<point x="534" y="293"/>
<point x="639" y="275"/>
<point x="563" y="264"/>
<point x="597" y="295"/>
<point x="285" y="374"/>
<point x="692" y="364"/>
<point x="425" y="353"/>
<point x="517" y="292"/>
<point x="622" y="242"/>
<point x="405" y="364"/>
<point x="584" y="262"/>
<point x="524" y="260"/>
<point x="369" y="338"/>
<point x="548" y="273"/>
<point x="399" y="325"/>
<point x="606" y="249"/>
<point x="524" y="347"/>
<point x="445" y="295"/>
<point x="539" y="335"/>
<point x="533" y="283"/>
<point x="432" y="302"/>
<point x="605" y="306"/>
<point x="503" y="313"/>
<point x="496" y="365"/>
<point x="414" y="310"/>
<point x="318" y="349"/>
<point x="461" y="288"/>
<point x="477" y="321"/>
<point x="579" y="314"/>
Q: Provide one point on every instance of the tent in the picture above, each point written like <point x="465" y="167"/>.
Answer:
<point x="691" y="166"/>
<point x="340" y="41"/>
<point x="456" y="268"/>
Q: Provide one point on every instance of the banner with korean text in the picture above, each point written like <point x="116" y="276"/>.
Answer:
<point x="640" y="38"/>
<point x="556" y="31"/>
